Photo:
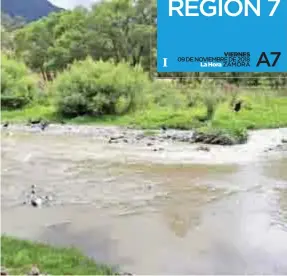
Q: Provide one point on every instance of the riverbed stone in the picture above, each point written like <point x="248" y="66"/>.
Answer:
<point x="158" y="149"/>
<point x="113" y="140"/>
<point x="140" y="137"/>
<point x="279" y="147"/>
<point x="203" y="148"/>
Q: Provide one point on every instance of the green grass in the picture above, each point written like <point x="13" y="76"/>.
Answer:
<point x="18" y="256"/>
<point x="36" y="111"/>
<point x="264" y="113"/>
<point x="260" y="111"/>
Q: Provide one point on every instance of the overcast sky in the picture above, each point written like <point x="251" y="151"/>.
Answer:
<point x="67" y="4"/>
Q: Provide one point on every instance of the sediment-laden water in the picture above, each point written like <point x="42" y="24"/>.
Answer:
<point x="151" y="205"/>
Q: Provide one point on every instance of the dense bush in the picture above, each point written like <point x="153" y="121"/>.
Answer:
<point x="98" y="88"/>
<point x="18" y="85"/>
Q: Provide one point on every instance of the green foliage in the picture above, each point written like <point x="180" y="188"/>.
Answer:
<point x="211" y="96"/>
<point x="122" y="30"/>
<point x="98" y="88"/>
<point x="118" y="29"/>
<point x="122" y="33"/>
<point x="46" y="112"/>
<point x="33" y="42"/>
<point x="268" y="111"/>
<point x="18" y="256"/>
<point x="18" y="85"/>
<point x="7" y="42"/>
<point x="11" y="23"/>
<point x="163" y="93"/>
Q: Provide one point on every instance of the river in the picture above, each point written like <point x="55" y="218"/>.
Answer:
<point x="174" y="211"/>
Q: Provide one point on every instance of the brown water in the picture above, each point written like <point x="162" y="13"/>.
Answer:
<point x="118" y="205"/>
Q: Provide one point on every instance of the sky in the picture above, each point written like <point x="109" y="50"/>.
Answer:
<point x="68" y="4"/>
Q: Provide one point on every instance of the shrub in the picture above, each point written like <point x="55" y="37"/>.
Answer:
<point x="12" y="102"/>
<point x="98" y="88"/>
<point x="18" y="85"/>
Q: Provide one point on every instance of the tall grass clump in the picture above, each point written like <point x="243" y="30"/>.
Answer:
<point x="211" y="97"/>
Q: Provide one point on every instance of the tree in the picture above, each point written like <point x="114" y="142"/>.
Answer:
<point x="18" y="85"/>
<point x="119" y="30"/>
<point x="7" y="43"/>
<point x="12" y="23"/>
<point x="32" y="43"/>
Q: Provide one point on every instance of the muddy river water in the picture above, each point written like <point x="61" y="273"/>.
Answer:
<point x="175" y="211"/>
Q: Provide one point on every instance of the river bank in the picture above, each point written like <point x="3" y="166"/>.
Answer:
<point x="259" y="111"/>
<point x="168" y="146"/>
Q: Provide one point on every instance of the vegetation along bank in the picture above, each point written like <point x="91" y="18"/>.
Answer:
<point x="95" y="66"/>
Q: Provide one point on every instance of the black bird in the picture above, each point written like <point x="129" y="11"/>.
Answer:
<point x="164" y="128"/>
<point x="237" y="106"/>
<point x="34" y="121"/>
<point x="43" y="125"/>
<point x="6" y="124"/>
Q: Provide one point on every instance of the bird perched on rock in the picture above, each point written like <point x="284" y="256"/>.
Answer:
<point x="237" y="106"/>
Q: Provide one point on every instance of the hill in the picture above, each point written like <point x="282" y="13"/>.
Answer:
<point x="29" y="10"/>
